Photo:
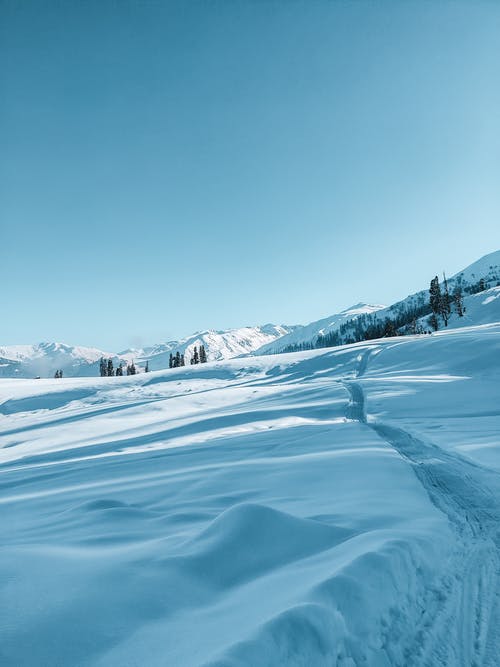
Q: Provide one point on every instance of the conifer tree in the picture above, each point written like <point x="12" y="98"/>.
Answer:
<point x="57" y="374"/>
<point x="182" y="360"/>
<point x="435" y="301"/>
<point x="203" y="355"/>
<point x="103" y="367"/>
<point x="445" y="309"/>
<point x="196" y="357"/>
<point x="109" y="371"/>
<point x="458" y="301"/>
<point x="119" y="371"/>
<point x="433" y="321"/>
<point x="146" y="370"/>
<point x="177" y="360"/>
<point x="389" y="328"/>
<point x="171" y="361"/>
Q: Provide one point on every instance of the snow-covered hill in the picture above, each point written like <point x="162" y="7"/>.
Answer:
<point x="43" y="359"/>
<point x="351" y="323"/>
<point x="218" y="344"/>
<point x="311" y="331"/>
<point x="333" y="507"/>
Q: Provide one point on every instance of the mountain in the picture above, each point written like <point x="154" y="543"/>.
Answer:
<point x="43" y="359"/>
<point x="480" y="283"/>
<point x="310" y="332"/>
<point x="363" y="321"/>
<point x="218" y="344"/>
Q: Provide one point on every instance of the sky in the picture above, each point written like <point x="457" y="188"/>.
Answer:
<point x="168" y="167"/>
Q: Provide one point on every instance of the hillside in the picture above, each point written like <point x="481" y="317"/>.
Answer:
<point x="311" y="331"/>
<point x="364" y="321"/>
<point x="326" y="507"/>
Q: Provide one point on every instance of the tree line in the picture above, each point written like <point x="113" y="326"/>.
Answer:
<point x="407" y="318"/>
<point x="198" y="357"/>
<point x="106" y="368"/>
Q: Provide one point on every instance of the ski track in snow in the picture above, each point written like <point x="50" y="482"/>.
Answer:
<point x="468" y="494"/>
<point x="255" y="506"/>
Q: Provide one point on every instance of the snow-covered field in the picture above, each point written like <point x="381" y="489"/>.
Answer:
<point x="333" y="507"/>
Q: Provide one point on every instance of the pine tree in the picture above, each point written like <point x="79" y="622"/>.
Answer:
<point x="171" y="361"/>
<point x="177" y="359"/>
<point x="103" y="367"/>
<point x="57" y="374"/>
<point x="182" y="360"/>
<point x="131" y="369"/>
<point x="482" y="285"/>
<point x="196" y="356"/>
<point x="445" y="309"/>
<point x="458" y="301"/>
<point x="119" y="371"/>
<point x="109" y="371"/>
<point x="203" y="355"/>
<point x="435" y="301"/>
<point x="60" y="373"/>
<point x="433" y="321"/>
<point x="389" y="328"/>
<point x="146" y="370"/>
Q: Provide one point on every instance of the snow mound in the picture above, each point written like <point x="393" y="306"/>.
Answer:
<point x="324" y="507"/>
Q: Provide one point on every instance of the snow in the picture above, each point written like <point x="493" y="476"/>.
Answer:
<point x="487" y="267"/>
<point x="43" y="359"/>
<point x="332" y="507"/>
<point x="481" y="308"/>
<point x="218" y="344"/>
<point x="309" y="332"/>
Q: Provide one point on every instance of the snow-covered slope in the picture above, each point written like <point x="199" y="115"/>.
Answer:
<point x="335" y="507"/>
<point x="349" y="324"/>
<point x="218" y="344"/>
<point x="488" y="267"/>
<point x="481" y="308"/>
<point x="311" y="331"/>
<point x="43" y="359"/>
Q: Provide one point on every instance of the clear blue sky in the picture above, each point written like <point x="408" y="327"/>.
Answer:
<point x="173" y="166"/>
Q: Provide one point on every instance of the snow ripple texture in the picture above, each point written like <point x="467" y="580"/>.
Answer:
<point x="334" y="507"/>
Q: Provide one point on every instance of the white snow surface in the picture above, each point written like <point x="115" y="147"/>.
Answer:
<point x="334" y="507"/>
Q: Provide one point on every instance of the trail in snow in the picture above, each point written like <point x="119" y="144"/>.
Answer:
<point x="240" y="502"/>
<point x="469" y="495"/>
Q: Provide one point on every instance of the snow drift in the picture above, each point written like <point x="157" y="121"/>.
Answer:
<point x="333" y="507"/>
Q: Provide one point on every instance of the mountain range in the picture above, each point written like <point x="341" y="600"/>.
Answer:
<point x="482" y="305"/>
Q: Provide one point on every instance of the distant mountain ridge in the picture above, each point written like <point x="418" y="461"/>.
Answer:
<point x="218" y="344"/>
<point x="43" y="359"/>
<point x="311" y="331"/>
